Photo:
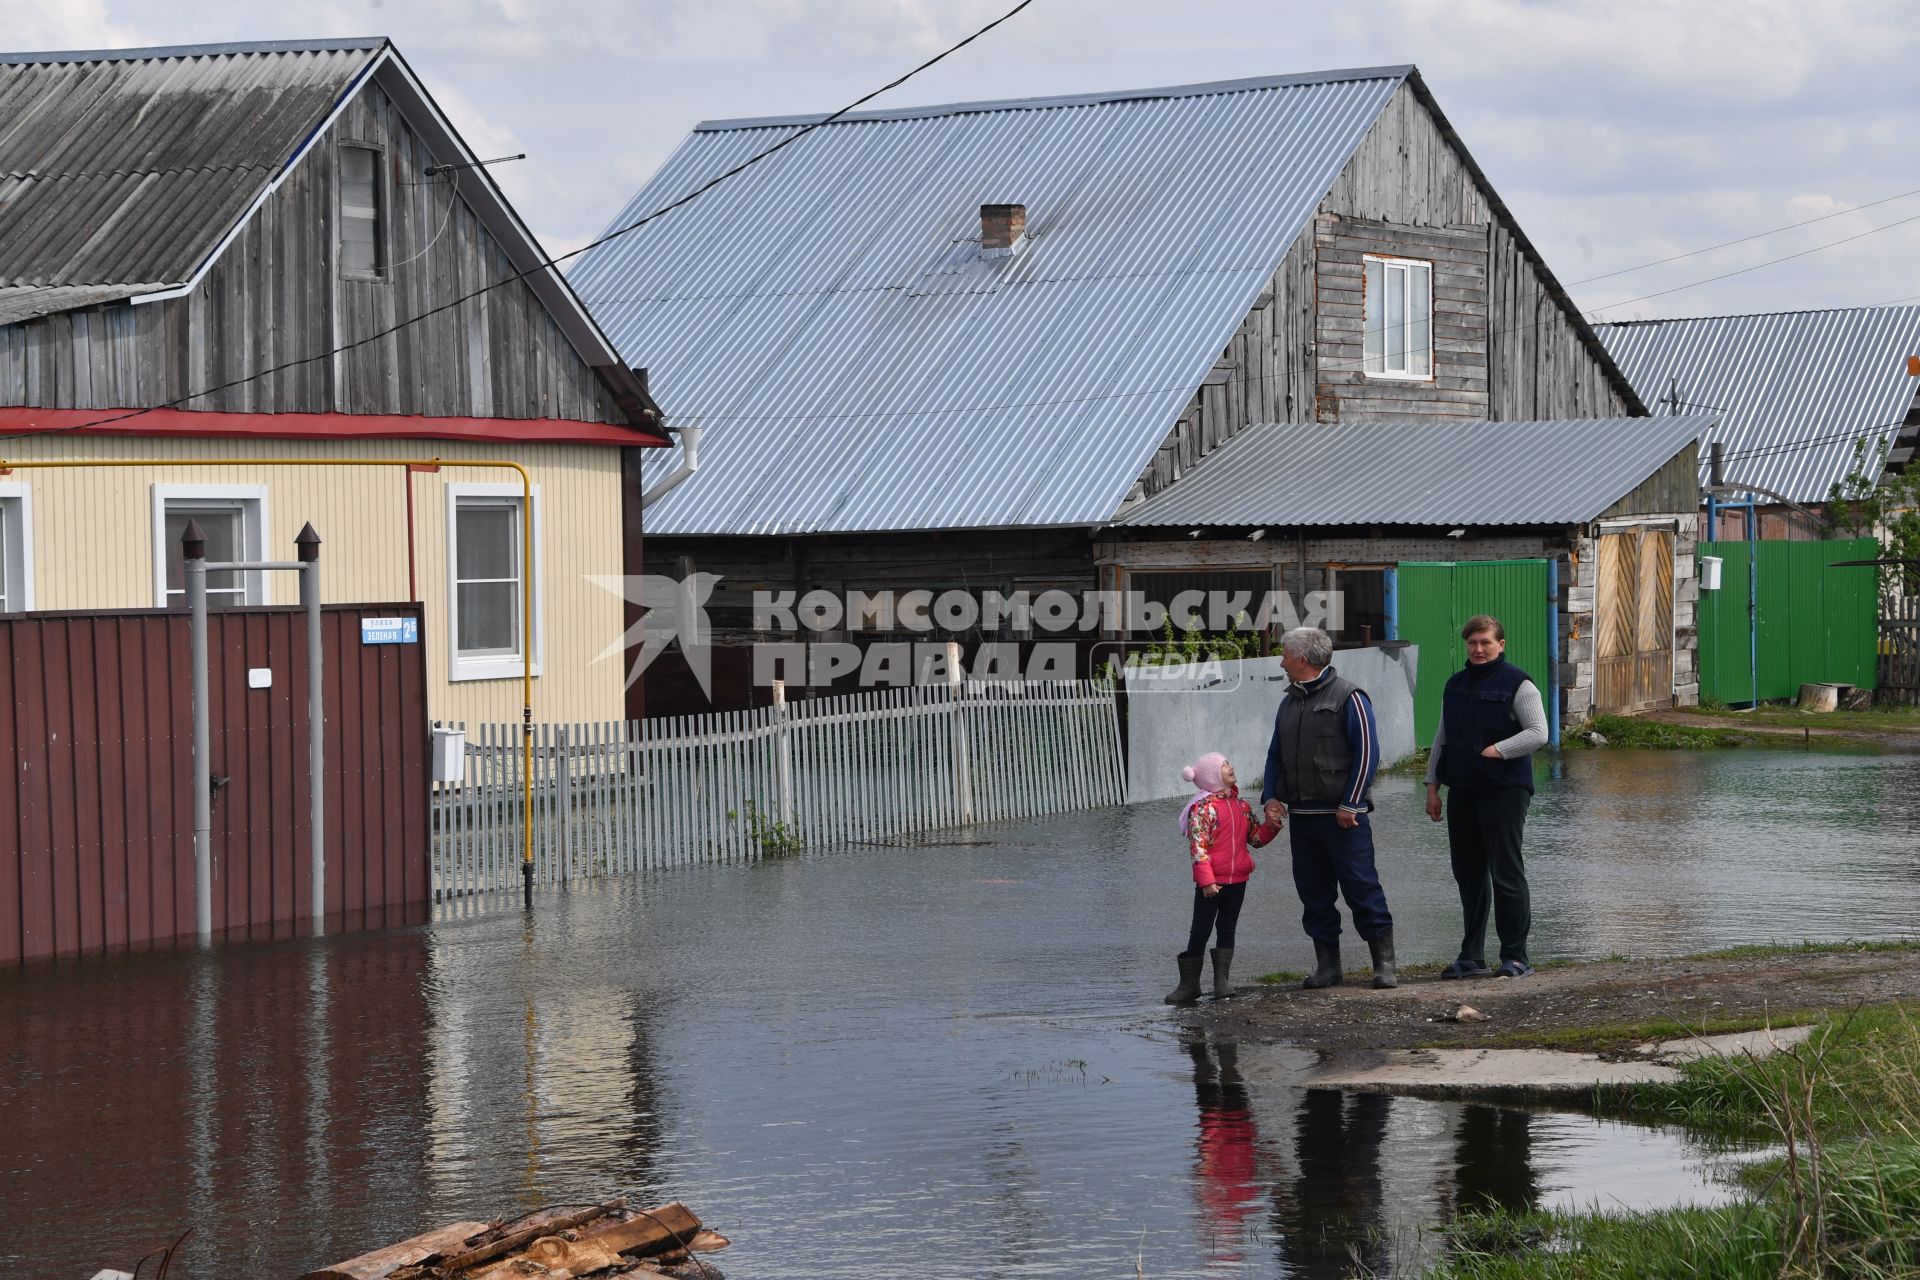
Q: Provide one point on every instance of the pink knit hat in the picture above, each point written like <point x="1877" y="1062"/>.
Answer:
<point x="1204" y="773"/>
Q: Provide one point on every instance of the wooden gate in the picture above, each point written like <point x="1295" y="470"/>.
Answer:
<point x="1900" y="650"/>
<point x="1633" y="621"/>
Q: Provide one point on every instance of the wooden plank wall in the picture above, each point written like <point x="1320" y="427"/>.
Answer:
<point x="1264" y="375"/>
<point x="274" y="296"/>
<point x="1407" y="172"/>
<point x="1458" y="388"/>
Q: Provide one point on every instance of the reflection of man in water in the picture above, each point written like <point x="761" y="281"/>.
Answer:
<point x="1333" y="1224"/>
<point x="1224" y="1167"/>
<point x="1493" y="1159"/>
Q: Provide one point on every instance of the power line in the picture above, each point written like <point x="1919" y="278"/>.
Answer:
<point x="544" y="263"/>
<point x="1728" y="275"/>
<point x="1758" y="235"/>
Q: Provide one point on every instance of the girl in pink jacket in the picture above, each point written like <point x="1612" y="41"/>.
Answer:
<point x="1219" y="827"/>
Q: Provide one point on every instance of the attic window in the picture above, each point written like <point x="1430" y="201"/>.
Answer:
<point x="362" y="214"/>
<point x="1399" y="318"/>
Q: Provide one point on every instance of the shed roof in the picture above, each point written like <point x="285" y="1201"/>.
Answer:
<point x="1792" y="390"/>
<point x="121" y="170"/>
<point x="1440" y="472"/>
<point x="862" y="365"/>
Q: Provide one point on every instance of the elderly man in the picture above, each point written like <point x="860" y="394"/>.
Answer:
<point x="1320" y="768"/>
<point x="1491" y="723"/>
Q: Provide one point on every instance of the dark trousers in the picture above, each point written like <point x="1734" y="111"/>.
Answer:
<point x="1484" y="829"/>
<point x="1326" y="857"/>
<point x="1221" y="911"/>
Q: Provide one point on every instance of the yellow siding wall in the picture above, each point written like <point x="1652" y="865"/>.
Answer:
<point x="93" y="544"/>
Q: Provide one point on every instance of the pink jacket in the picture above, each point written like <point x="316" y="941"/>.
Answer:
<point x="1219" y="831"/>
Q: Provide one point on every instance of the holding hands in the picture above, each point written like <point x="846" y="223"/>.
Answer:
<point x="1276" y="813"/>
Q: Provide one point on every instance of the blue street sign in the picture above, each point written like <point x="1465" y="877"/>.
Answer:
<point x="389" y="631"/>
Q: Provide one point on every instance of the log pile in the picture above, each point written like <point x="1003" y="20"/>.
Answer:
<point x="601" y="1241"/>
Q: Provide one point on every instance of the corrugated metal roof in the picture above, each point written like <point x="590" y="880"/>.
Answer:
<point x="120" y="167"/>
<point x="1793" y="390"/>
<point x="859" y="363"/>
<point x="1445" y="471"/>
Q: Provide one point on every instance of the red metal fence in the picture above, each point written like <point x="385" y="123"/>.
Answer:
<point x="96" y="815"/>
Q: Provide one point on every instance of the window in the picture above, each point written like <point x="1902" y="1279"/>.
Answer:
<point x="486" y="586"/>
<point x="1399" y="318"/>
<point x="233" y="519"/>
<point x="16" y="548"/>
<point x="362" y="230"/>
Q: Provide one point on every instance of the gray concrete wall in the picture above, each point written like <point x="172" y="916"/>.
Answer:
<point x="1177" y="713"/>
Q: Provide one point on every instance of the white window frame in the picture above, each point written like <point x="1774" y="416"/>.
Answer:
<point x="16" y="515"/>
<point x="1396" y="266"/>
<point x="459" y="666"/>
<point x="248" y="499"/>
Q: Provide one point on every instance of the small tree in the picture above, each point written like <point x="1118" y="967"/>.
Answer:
<point x="1864" y="505"/>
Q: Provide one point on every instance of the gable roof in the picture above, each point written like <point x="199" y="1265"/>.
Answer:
<point x="124" y="173"/>
<point x="1793" y="390"/>
<point x="1447" y="471"/>
<point x="862" y="365"/>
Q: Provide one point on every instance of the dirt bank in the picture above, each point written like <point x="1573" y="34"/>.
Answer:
<point x="1607" y="1007"/>
<point x="1897" y="734"/>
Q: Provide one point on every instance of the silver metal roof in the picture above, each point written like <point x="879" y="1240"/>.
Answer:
<point x="1439" y="472"/>
<point x="1793" y="390"/>
<point x="127" y="167"/>
<point x="860" y="365"/>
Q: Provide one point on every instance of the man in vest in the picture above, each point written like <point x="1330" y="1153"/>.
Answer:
<point x="1320" y="766"/>
<point x="1491" y="723"/>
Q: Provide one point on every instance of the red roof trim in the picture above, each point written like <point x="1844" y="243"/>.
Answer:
<point x="320" y="426"/>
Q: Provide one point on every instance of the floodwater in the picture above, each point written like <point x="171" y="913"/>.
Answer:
<point x="943" y="1058"/>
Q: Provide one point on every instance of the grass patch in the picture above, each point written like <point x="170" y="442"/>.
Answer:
<point x="1652" y="735"/>
<point x="1772" y="950"/>
<point x="1842" y="1200"/>
<point x="1413" y="766"/>
<point x="1884" y="718"/>
<point x="1284" y="977"/>
<point x="1620" y="1037"/>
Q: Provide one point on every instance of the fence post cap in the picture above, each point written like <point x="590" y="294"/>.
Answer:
<point x="193" y="543"/>
<point x="307" y="544"/>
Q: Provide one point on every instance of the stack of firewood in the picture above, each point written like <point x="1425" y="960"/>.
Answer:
<point x="602" y="1241"/>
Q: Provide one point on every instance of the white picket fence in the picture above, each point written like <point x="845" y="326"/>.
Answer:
<point x="624" y="796"/>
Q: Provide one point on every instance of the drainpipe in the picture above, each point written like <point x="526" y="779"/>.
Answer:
<point x="193" y="555"/>
<point x="1390" y="591"/>
<point x="689" y="463"/>
<point x="1553" y="653"/>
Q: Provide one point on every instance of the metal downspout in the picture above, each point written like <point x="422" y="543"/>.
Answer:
<point x="1553" y="654"/>
<point x="689" y="463"/>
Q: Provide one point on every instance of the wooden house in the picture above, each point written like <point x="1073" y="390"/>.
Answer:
<point x="955" y="346"/>
<point x="222" y="259"/>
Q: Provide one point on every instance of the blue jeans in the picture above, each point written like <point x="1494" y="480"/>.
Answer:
<point x="1328" y="857"/>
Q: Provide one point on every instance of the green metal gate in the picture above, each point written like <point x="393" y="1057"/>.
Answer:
<point x="1437" y="598"/>
<point x="1817" y="621"/>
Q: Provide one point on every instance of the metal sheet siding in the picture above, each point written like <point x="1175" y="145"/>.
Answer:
<point x="117" y="170"/>
<point x="1437" y="598"/>
<point x="93" y="545"/>
<point x="1449" y="471"/>
<point x="1817" y="622"/>
<point x="1793" y="390"/>
<point x="828" y="314"/>
<point x="98" y="813"/>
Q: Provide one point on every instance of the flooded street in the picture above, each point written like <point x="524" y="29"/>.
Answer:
<point x="937" y="1059"/>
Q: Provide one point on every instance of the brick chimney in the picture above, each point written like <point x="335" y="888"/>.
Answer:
<point x="1001" y="225"/>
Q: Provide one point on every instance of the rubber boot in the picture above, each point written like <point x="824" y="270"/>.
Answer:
<point x="1383" y="974"/>
<point x="1326" y="966"/>
<point x="1223" y="974"/>
<point x="1189" y="989"/>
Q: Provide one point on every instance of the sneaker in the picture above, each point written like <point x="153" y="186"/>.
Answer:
<point x="1513" y="969"/>
<point x="1465" y="969"/>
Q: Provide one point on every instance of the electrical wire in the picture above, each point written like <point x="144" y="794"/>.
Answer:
<point x="545" y="263"/>
<point x="445" y="222"/>
<point x="1758" y="235"/>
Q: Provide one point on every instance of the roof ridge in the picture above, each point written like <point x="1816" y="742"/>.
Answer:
<point x="1202" y="89"/>
<point x="159" y="53"/>
<point x="1748" y="315"/>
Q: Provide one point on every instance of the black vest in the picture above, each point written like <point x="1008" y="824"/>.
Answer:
<point x="1314" y="754"/>
<point x="1476" y="714"/>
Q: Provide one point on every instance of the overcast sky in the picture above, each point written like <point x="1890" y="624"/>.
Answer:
<point x="1619" y="131"/>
